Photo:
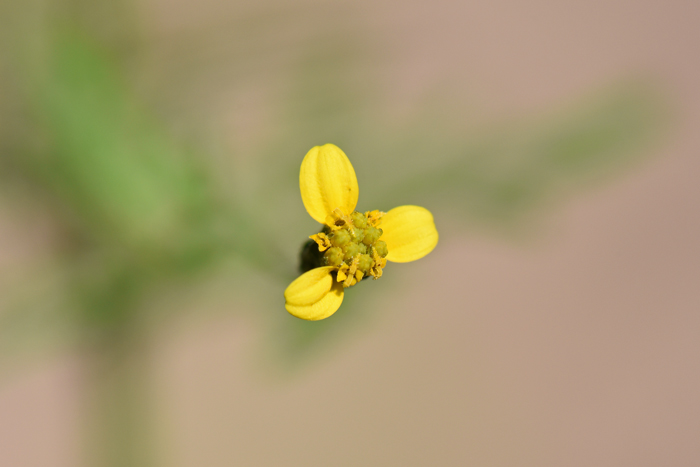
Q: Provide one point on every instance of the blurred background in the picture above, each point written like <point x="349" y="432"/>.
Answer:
<point x="150" y="220"/>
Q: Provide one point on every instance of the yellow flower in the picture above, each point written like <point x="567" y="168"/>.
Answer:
<point x="351" y="246"/>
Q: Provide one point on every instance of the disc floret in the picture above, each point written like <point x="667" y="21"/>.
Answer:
<point x="352" y="246"/>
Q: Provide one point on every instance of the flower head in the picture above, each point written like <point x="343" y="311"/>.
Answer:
<point x="351" y="245"/>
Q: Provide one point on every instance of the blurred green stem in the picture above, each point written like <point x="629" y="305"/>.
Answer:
<point x="118" y="430"/>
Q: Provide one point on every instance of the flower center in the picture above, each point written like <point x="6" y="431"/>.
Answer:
<point x="352" y="245"/>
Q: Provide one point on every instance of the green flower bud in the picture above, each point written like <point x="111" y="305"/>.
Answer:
<point x="358" y="234"/>
<point x="352" y="250"/>
<point x="364" y="264"/>
<point x="334" y="256"/>
<point x="359" y="220"/>
<point x="372" y="234"/>
<point x="381" y="249"/>
<point x="340" y="238"/>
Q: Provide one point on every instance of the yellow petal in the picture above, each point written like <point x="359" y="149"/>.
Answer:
<point x="314" y="295"/>
<point x="327" y="181"/>
<point x="409" y="233"/>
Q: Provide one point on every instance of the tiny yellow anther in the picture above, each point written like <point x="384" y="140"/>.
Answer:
<point x="377" y="264"/>
<point x="338" y="219"/>
<point x="374" y="218"/>
<point x="351" y="273"/>
<point x="323" y="241"/>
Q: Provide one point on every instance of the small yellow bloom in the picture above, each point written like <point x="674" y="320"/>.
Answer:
<point x="351" y="245"/>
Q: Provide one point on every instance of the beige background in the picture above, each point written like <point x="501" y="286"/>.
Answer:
<point x="574" y="345"/>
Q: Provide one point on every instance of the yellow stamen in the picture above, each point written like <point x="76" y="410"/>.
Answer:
<point x="350" y="280"/>
<point x="323" y="241"/>
<point x="374" y="218"/>
<point x="338" y="219"/>
<point x="377" y="264"/>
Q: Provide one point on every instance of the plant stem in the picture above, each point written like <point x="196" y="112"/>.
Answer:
<point x="118" y="430"/>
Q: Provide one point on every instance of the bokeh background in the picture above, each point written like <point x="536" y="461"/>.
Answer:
<point x="150" y="220"/>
